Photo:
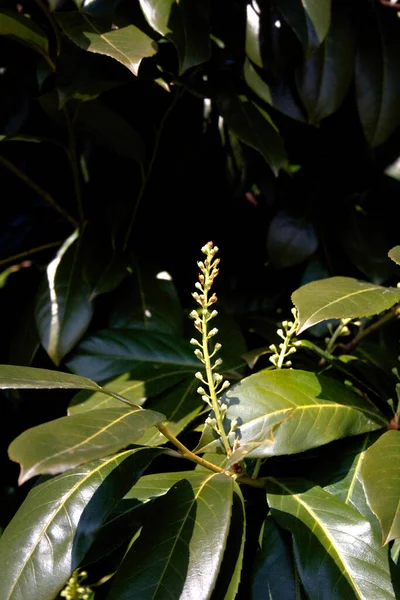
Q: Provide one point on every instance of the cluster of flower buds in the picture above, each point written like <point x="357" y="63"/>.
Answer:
<point x="74" y="590"/>
<point x="213" y="383"/>
<point x="286" y="347"/>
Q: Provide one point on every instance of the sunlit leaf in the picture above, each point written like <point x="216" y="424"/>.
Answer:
<point x="68" y="442"/>
<point x="319" y="12"/>
<point x="56" y="524"/>
<point x="185" y="24"/>
<point x="337" y="552"/>
<point x="104" y="35"/>
<point x="341" y="298"/>
<point x="380" y="474"/>
<point x="63" y="307"/>
<point x="394" y="254"/>
<point x="188" y="527"/>
<point x="12" y="377"/>
<point x="290" y="411"/>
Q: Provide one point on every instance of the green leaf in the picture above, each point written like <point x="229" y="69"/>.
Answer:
<point x="324" y="79"/>
<point x="290" y="240"/>
<point x="290" y="411"/>
<point x="68" y="442"/>
<point x="36" y="560"/>
<point x="377" y="73"/>
<point x="114" y="351"/>
<point x="380" y="473"/>
<point x="187" y="527"/>
<point x="341" y="298"/>
<point x="180" y="405"/>
<point x="149" y="302"/>
<point x="106" y="35"/>
<point x="185" y="24"/>
<point x="147" y="383"/>
<point x="252" y="44"/>
<point x="339" y="472"/>
<point x="394" y="254"/>
<point x="150" y="487"/>
<point x="12" y="377"/>
<point x="337" y="553"/>
<point x="231" y="568"/>
<point x="63" y="307"/>
<point x="319" y="13"/>
<point x="254" y="127"/>
<point x="274" y="574"/>
<point x="276" y="93"/>
<point x="22" y="29"/>
<point x="109" y="129"/>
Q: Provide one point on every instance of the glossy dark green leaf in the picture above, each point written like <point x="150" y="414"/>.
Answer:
<point x="364" y="238"/>
<point x="180" y="405"/>
<point x="341" y="298"/>
<point x="378" y="75"/>
<point x="68" y="442"/>
<point x="102" y="35"/>
<point x="254" y="127"/>
<point x="24" y="30"/>
<point x="188" y="527"/>
<point x="63" y="307"/>
<point x="290" y="411"/>
<point x="290" y="240"/>
<point x="148" y="301"/>
<point x="147" y="383"/>
<point x="394" y="254"/>
<point x="12" y="377"/>
<point x="114" y="351"/>
<point x="37" y="560"/>
<point x="337" y="553"/>
<point x="293" y="13"/>
<point x="324" y="79"/>
<point x="319" y="13"/>
<point x="274" y="573"/>
<point x="111" y="130"/>
<point x="339" y="472"/>
<point x="276" y="93"/>
<point x="380" y="474"/>
<point x="185" y="24"/>
<point x="230" y="573"/>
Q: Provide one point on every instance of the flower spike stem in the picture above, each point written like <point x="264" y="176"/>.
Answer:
<point x="214" y="381"/>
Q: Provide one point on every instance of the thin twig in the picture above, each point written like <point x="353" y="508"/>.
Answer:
<point x="145" y="174"/>
<point x="53" y="24"/>
<point x="16" y="257"/>
<point x="73" y="160"/>
<point x="389" y="316"/>
<point x="39" y="190"/>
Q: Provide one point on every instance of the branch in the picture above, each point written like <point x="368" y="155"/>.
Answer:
<point x="48" y="198"/>
<point x="387" y="317"/>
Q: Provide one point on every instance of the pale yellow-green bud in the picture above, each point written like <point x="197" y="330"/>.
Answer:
<point x="212" y="332"/>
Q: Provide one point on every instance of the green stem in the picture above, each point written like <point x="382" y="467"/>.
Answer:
<point x="285" y="345"/>
<point x="210" y="380"/>
<point x="389" y="316"/>
<point x="257" y="468"/>
<point x="331" y="344"/>
<point x="21" y="255"/>
<point x="39" y="190"/>
<point x="145" y="174"/>
<point x="73" y="160"/>
<point x="53" y="24"/>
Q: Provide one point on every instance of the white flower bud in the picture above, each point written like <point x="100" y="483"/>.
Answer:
<point x="213" y="332"/>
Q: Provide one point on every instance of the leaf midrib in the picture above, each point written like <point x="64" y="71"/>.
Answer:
<point x="103" y="37"/>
